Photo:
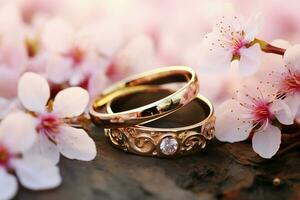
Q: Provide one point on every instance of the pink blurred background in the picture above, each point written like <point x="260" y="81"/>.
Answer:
<point x="122" y="38"/>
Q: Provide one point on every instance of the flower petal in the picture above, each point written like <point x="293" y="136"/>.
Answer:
<point x="21" y="137"/>
<point x="76" y="144"/>
<point x="292" y="56"/>
<point x="58" y="69"/>
<point x="57" y="35"/>
<point x="250" y="60"/>
<point x="8" y="82"/>
<point x="230" y="126"/>
<point x="8" y="185"/>
<point x="293" y="103"/>
<point x="267" y="141"/>
<point x="45" y="148"/>
<point x="213" y="59"/>
<point x="4" y="105"/>
<point x="229" y="19"/>
<point x="33" y="92"/>
<point x="283" y="112"/>
<point x="37" y="173"/>
<point x="253" y="26"/>
<point x="70" y="102"/>
<point x="137" y="56"/>
<point x="251" y="87"/>
<point x="97" y="83"/>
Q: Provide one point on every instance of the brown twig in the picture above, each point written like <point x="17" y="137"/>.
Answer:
<point x="272" y="49"/>
<point x="82" y="121"/>
<point x="268" y="48"/>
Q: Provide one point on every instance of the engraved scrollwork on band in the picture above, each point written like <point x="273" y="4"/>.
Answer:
<point x="193" y="140"/>
<point x="143" y="143"/>
<point x="118" y="138"/>
<point x="139" y="142"/>
<point x="208" y="129"/>
<point x="129" y="140"/>
<point x="147" y="143"/>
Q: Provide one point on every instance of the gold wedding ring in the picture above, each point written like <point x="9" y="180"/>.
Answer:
<point x="183" y="132"/>
<point x="157" y="113"/>
<point x="153" y="110"/>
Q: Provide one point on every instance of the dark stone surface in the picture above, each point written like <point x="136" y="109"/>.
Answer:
<point x="222" y="171"/>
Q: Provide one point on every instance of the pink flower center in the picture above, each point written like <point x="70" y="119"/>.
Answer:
<point x="4" y="156"/>
<point x="115" y="71"/>
<point x="76" y="54"/>
<point x="49" y="124"/>
<point x="112" y="70"/>
<point x="261" y="112"/>
<point x="230" y="37"/>
<point x="237" y="44"/>
<point x="291" y="83"/>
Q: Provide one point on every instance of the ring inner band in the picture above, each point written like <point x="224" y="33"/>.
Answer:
<point x="193" y="113"/>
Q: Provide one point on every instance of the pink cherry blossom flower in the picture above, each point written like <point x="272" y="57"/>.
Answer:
<point x="287" y="80"/>
<point x="254" y="110"/>
<point x="69" y="57"/>
<point x="134" y="55"/>
<point x="17" y="135"/>
<point x="231" y="39"/>
<point x="54" y="135"/>
<point x="91" y="57"/>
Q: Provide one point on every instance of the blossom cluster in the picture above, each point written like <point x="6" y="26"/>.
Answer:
<point x="36" y="132"/>
<point x="268" y="98"/>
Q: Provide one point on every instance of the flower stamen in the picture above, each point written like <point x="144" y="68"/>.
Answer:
<point x="261" y="113"/>
<point x="49" y="124"/>
<point x="76" y="54"/>
<point x="4" y="156"/>
<point x="291" y="82"/>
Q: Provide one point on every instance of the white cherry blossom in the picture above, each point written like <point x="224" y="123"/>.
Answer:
<point x="254" y="110"/>
<point x="91" y="57"/>
<point x="231" y="39"/>
<point x="70" y="54"/>
<point x="54" y="135"/>
<point x="287" y="78"/>
<point x="33" y="172"/>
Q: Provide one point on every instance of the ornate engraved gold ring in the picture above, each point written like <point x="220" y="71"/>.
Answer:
<point x="183" y="132"/>
<point x="154" y="110"/>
